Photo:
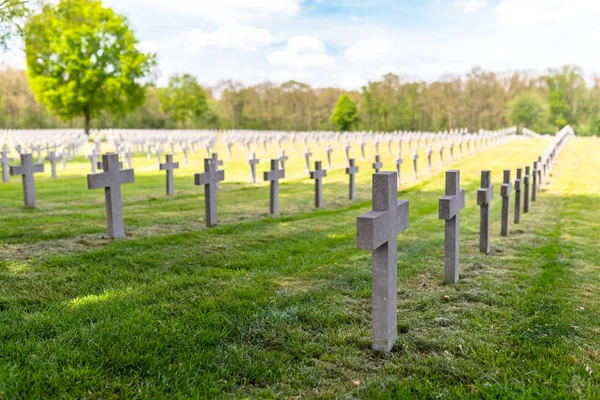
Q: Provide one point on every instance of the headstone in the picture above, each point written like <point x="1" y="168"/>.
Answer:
<point x="53" y="158"/>
<point x="484" y="198"/>
<point x="209" y="179"/>
<point x="282" y="159"/>
<point x="100" y="165"/>
<point x="5" y="160"/>
<point x="429" y="153"/>
<point x="307" y="156"/>
<point x="26" y="170"/>
<point x="169" y="166"/>
<point x="505" y="191"/>
<point x="518" y="184"/>
<point x="329" y="151"/>
<point x="352" y="170"/>
<point x="362" y="149"/>
<point x="535" y="182"/>
<point x="398" y="167"/>
<point x="450" y="206"/>
<point x="377" y="164"/>
<point x="252" y="162"/>
<point x="526" y="179"/>
<point x="347" y="152"/>
<point x="218" y="163"/>
<point x="318" y="174"/>
<point x="111" y="180"/>
<point x="274" y="175"/>
<point x="378" y="231"/>
<point x="415" y="157"/>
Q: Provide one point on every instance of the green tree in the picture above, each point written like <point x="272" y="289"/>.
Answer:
<point x="345" y="115"/>
<point x="529" y="110"/>
<point x="82" y="58"/>
<point x="183" y="99"/>
<point x="12" y="15"/>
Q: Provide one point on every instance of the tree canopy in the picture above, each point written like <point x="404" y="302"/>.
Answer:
<point x="82" y="58"/>
<point x="345" y="114"/>
<point x="528" y="110"/>
<point x="183" y="99"/>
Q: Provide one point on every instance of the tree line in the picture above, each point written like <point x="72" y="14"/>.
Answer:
<point x="85" y="69"/>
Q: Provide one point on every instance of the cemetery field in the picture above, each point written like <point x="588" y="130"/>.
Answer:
<point x="265" y="306"/>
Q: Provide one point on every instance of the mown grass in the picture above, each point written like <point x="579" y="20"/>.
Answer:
<point x="280" y="306"/>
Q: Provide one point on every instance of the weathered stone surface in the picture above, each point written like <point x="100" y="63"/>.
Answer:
<point x="274" y="175"/>
<point x="484" y="198"/>
<point x="252" y="162"/>
<point x="111" y="180"/>
<point x="518" y="188"/>
<point x="318" y="174"/>
<point x="526" y="180"/>
<point x="169" y="166"/>
<point x="378" y="231"/>
<point x="505" y="191"/>
<point x="209" y="179"/>
<point x="351" y="171"/>
<point x="377" y="165"/>
<point x="449" y="210"/>
<point x="26" y="170"/>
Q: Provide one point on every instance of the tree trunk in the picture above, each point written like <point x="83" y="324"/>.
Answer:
<point x="86" y="123"/>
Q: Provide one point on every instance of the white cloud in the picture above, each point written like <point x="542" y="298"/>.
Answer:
<point x="371" y="49"/>
<point x="544" y="12"/>
<point x="227" y="10"/>
<point x="471" y="6"/>
<point x="228" y="36"/>
<point x="302" y="51"/>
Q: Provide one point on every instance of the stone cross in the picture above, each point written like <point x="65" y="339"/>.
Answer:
<point x="526" y="179"/>
<point x="4" y="160"/>
<point x="377" y="147"/>
<point x="26" y="170"/>
<point x="535" y="182"/>
<point x="283" y="158"/>
<point x="398" y="166"/>
<point x="274" y="175"/>
<point x="415" y="157"/>
<point x="53" y="158"/>
<point x="307" y="156"/>
<point x="252" y="162"/>
<point x="93" y="157"/>
<point x="362" y="149"/>
<point x="451" y="151"/>
<point x="209" y="179"/>
<point x="429" y="152"/>
<point x="484" y="198"/>
<point x="441" y="154"/>
<point x="100" y="165"/>
<point x="378" y="231"/>
<point x="505" y="191"/>
<point x="450" y="206"/>
<point x="219" y="163"/>
<point x="169" y="166"/>
<point x="111" y="180"/>
<point x="377" y="164"/>
<point x="127" y="155"/>
<point x="329" y="151"/>
<point x="318" y="174"/>
<point x="352" y="170"/>
<point x="540" y="177"/>
<point x="184" y="149"/>
<point x="347" y="147"/>
<point x="518" y="186"/>
<point x="229" y="145"/>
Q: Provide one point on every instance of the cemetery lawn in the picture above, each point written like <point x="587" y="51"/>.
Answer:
<point x="280" y="306"/>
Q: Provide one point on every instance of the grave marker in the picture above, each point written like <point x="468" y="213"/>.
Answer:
<point x="449" y="210"/>
<point x="318" y="174"/>
<point x="377" y="164"/>
<point x="505" y="191"/>
<point x="252" y="162"/>
<point x="352" y="170"/>
<point x="484" y="198"/>
<point x="4" y="159"/>
<point x="169" y="166"/>
<point x="209" y="179"/>
<point x="111" y="180"/>
<point x="378" y="231"/>
<point x="526" y="179"/>
<point x="399" y="161"/>
<point x="53" y="158"/>
<point x="274" y="176"/>
<point x="26" y="170"/>
<point x="518" y="185"/>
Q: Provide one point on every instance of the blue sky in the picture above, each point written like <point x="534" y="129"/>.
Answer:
<point x="349" y="42"/>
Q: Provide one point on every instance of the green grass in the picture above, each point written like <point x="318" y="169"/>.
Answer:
<point x="280" y="307"/>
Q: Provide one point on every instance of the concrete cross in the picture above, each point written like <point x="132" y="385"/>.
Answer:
<point x="441" y="154"/>
<point x="252" y="162"/>
<point x="5" y="160"/>
<point x="351" y="171"/>
<point x="505" y="191"/>
<point x="26" y="170"/>
<point x="378" y="231"/>
<point x="362" y="149"/>
<point x="169" y="166"/>
<point x="329" y="151"/>
<point x="307" y="156"/>
<point x="415" y="157"/>
<point x="450" y="206"/>
<point x="158" y="151"/>
<point x="399" y="161"/>
<point x="218" y="163"/>
<point x="318" y="174"/>
<point x="451" y="151"/>
<point x="518" y="186"/>
<point x="429" y="153"/>
<point x="283" y="158"/>
<point x="347" y="148"/>
<point x="209" y="179"/>
<point x="111" y="180"/>
<point x="539" y="169"/>
<point x="274" y="175"/>
<point x="484" y="198"/>
<point x="526" y="179"/>
<point x="377" y="165"/>
<point x="53" y="158"/>
<point x="229" y="146"/>
<point x="377" y="147"/>
<point x="535" y="182"/>
<point x="127" y="155"/>
<point x="100" y="165"/>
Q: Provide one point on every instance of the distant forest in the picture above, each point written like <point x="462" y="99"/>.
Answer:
<point x="476" y="100"/>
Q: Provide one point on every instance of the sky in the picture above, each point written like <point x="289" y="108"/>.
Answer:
<point x="346" y="43"/>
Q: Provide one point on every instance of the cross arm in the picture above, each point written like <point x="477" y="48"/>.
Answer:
<point x="484" y="196"/>
<point x="450" y="205"/>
